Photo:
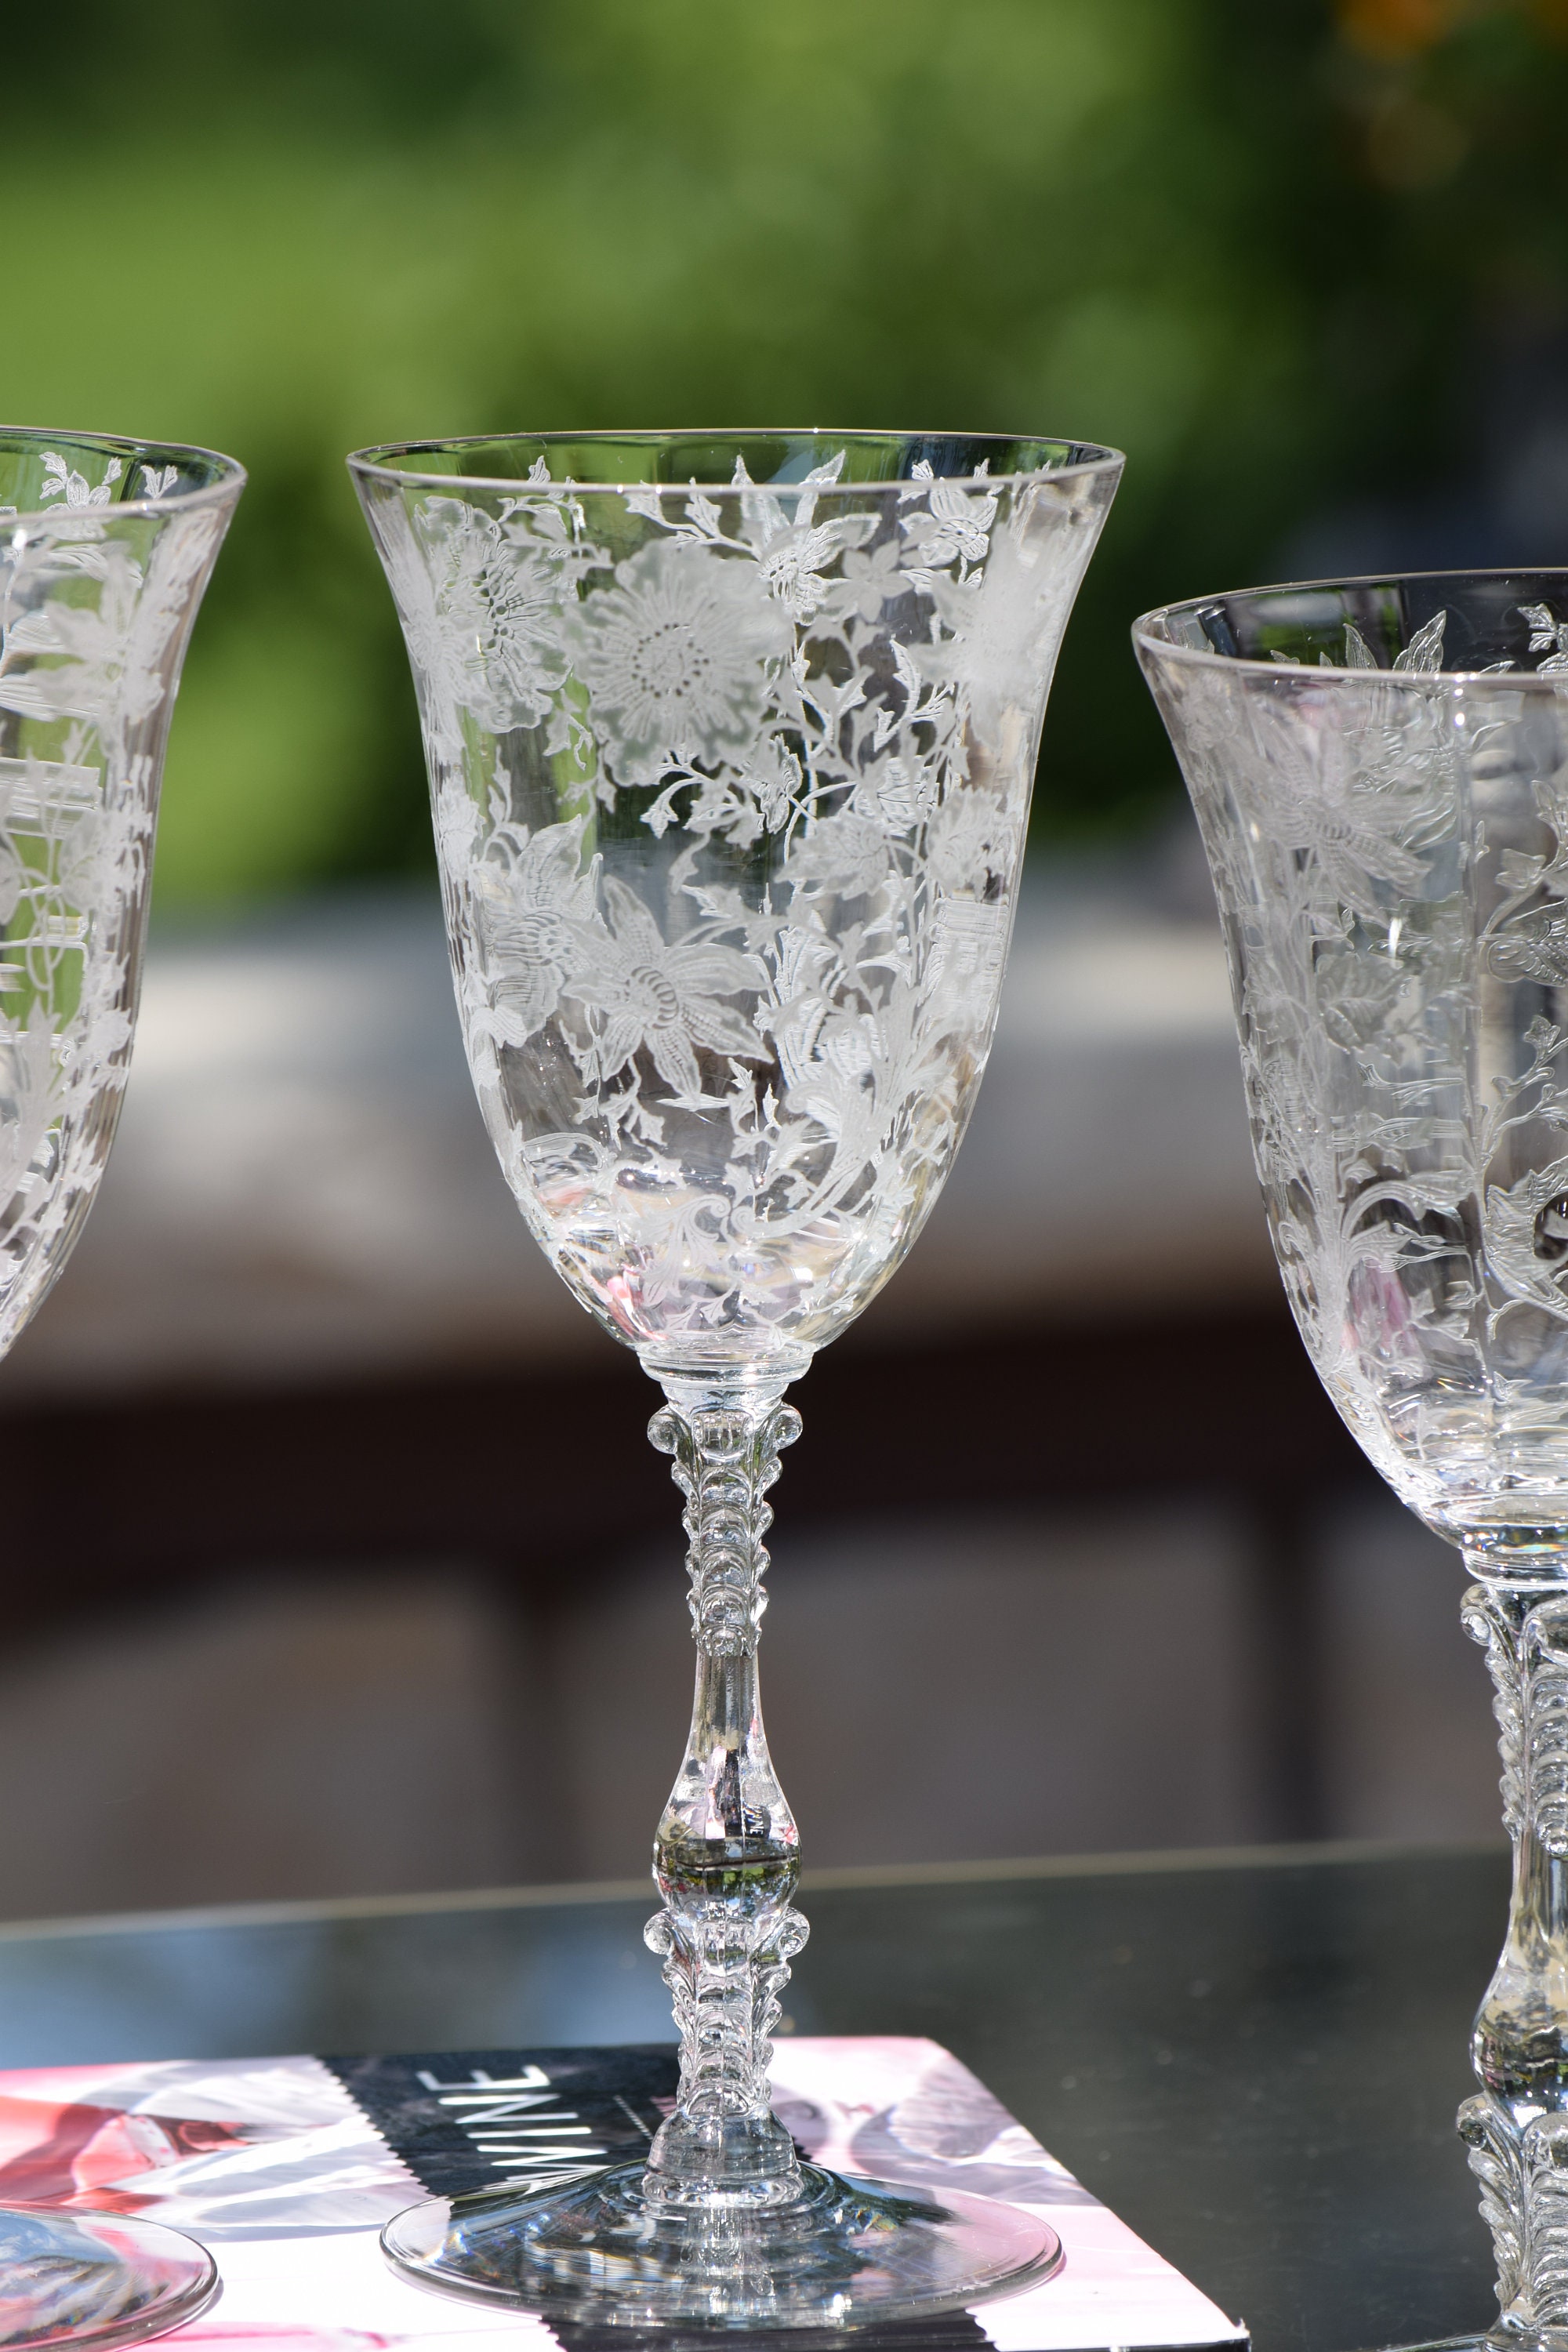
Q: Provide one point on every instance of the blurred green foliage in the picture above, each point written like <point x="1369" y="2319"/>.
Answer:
<point x="1264" y="251"/>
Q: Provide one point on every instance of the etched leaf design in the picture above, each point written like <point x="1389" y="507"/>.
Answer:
<point x="94" y="602"/>
<point x="730" y="781"/>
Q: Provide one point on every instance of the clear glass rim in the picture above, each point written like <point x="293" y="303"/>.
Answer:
<point x="1511" y="681"/>
<point x="230" y="478"/>
<point x="377" y="462"/>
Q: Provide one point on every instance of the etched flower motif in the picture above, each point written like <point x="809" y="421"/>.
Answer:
<point x="1369" y="1003"/>
<point x="772" y="772"/>
<point x="1510" y="1230"/>
<point x="871" y="579"/>
<point x="1353" y="820"/>
<point x="531" y="899"/>
<point x="758" y="1013"/>
<point x="792" y="568"/>
<point x="76" y="656"/>
<point x="1533" y="945"/>
<point x="459" y="825"/>
<point x="850" y="1073"/>
<point x="480" y="609"/>
<point x="100" y="850"/>
<point x="63" y="481"/>
<point x="678" y="658"/>
<point x="896" y="794"/>
<point x="847" y="854"/>
<point x="955" y="522"/>
<point x="496" y="607"/>
<point x="828" y="1060"/>
<point x="1548" y="636"/>
<point x="98" y="1052"/>
<point x="661" y="997"/>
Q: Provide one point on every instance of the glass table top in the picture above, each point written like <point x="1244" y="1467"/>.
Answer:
<point x="1255" y="2059"/>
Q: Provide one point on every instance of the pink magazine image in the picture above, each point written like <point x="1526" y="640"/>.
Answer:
<point x="907" y="2110"/>
<point x="274" y="2164"/>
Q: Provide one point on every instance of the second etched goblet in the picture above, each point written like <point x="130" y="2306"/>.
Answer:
<point x="106" y="546"/>
<point x="1380" y="768"/>
<point x="731" y="739"/>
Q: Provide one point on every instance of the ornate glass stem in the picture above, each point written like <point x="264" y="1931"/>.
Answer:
<point x="726" y="1857"/>
<point x="1517" y="2129"/>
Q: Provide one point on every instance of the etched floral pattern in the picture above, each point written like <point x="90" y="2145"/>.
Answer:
<point x="1392" y="862"/>
<point x="678" y="658"/>
<point x="94" y="606"/>
<point x="728" y="914"/>
<point x="666" y="999"/>
<point x="1390" y="852"/>
<point x="730" y="785"/>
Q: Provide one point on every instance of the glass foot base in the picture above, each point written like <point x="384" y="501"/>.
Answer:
<point x="846" y="2252"/>
<point x="95" y="2278"/>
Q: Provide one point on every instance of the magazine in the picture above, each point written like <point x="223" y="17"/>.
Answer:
<point x="287" y="2167"/>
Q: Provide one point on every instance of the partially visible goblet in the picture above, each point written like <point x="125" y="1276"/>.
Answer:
<point x="105" y="549"/>
<point x="1380" y="768"/>
<point x="730" y="741"/>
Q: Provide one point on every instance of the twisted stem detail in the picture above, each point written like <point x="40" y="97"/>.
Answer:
<point x="1516" y="2130"/>
<point x="1523" y="2178"/>
<point x="726" y="1857"/>
<point x="726" y="1458"/>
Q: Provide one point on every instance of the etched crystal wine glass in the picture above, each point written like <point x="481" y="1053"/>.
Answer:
<point x="106" y="546"/>
<point x="731" y="739"/>
<point x="1380" y="770"/>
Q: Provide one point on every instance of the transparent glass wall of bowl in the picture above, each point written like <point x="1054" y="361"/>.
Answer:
<point x="1380" y="770"/>
<point x="730" y="787"/>
<point x="105" y="549"/>
<point x="730" y="741"/>
<point x="106" y="546"/>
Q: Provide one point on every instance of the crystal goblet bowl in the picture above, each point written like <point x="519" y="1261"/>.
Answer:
<point x="106" y="546"/>
<point x="731" y="739"/>
<point x="1380" y="772"/>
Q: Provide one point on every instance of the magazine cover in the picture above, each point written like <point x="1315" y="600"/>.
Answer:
<point x="287" y="2167"/>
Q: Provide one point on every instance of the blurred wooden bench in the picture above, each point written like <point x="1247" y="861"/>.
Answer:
<point x="305" y="1322"/>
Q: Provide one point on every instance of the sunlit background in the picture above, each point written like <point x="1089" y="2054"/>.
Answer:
<point x="331" y="1569"/>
